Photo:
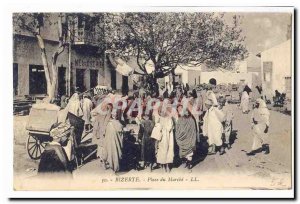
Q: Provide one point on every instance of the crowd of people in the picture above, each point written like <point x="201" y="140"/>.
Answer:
<point x="171" y="126"/>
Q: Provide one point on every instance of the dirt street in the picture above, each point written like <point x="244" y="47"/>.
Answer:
<point x="274" y="168"/>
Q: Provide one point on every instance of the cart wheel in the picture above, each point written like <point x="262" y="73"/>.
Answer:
<point x="35" y="147"/>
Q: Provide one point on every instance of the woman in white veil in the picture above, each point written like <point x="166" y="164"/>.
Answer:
<point x="73" y="106"/>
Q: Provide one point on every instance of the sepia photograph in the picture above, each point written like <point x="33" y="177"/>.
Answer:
<point x="153" y="100"/>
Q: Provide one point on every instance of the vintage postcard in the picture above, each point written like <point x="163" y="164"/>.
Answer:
<point x="188" y="99"/>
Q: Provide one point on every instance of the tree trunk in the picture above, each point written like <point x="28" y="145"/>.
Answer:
<point x="173" y="78"/>
<point x="46" y="66"/>
<point x="51" y="74"/>
<point x="54" y="70"/>
<point x="51" y="91"/>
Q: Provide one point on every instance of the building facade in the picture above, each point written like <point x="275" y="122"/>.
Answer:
<point x="82" y="65"/>
<point x="246" y="71"/>
<point x="225" y="77"/>
<point x="276" y="68"/>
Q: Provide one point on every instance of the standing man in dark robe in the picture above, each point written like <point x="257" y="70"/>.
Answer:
<point x="147" y="143"/>
<point x="187" y="87"/>
<point x="185" y="135"/>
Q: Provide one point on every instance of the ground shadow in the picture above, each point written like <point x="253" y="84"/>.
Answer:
<point x="201" y="151"/>
<point x="233" y="136"/>
<point x="131" y="154"/>
<point x="86" y="152"/>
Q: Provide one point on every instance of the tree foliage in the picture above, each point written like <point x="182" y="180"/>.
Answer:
<point x="32" y="24"/>
<point x="165" y="39"/>
<point x="170" y="39"/>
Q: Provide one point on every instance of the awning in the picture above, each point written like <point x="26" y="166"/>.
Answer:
<point x="130" y="67"/>
<point x="121" y="66"/>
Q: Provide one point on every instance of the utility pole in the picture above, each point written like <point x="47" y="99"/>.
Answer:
<point x="69" y="70"/>
<point x="70" y="25"/>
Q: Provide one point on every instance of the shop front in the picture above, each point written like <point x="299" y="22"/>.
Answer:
<point x="86" y="71"/>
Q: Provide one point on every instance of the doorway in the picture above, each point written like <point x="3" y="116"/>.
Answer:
<point x="267" y="74"/>
<point x="125" y="87"/>
<point x="61" y="81"/>
<point x="37" y="80"/>
<point x="93" y="78"/>
<point x="113" y="83"/>
<point x="15" y="78"/>
<point x="80" y="80"/>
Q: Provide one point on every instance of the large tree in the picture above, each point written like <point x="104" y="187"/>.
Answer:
<point x="170" y="39"/>
<point x="32" y="24"/>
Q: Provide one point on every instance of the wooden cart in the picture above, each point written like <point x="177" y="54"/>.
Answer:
<point x="42" y="117"/>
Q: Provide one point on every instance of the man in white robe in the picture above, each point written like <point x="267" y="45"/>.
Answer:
<point x="245" y="102"/>
<point x="165" y="152"/>
<point x="260" y="120"/>
<point x="213" y="128"/>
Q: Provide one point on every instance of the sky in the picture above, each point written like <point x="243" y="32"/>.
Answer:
<point x="263" y="30"/>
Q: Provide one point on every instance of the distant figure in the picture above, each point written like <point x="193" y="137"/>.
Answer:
<point x="187" y="86"/>
<point x="142" y="92"/>
<point x="87" y="107"/>
<point x="260" y="127"/>
<point x="240" y="89"/>
<point x="155" y="91"/>
<point x="259" y="88"/>
<point x="212" y="81"/>
<point x="125" y="90"/>
<point x="277" y="94"/>
<point x="169" y="87"/>
<point x="194" y="93"/>
<point x="161" y="91"/>
<point x="268" y="94"/>
<point x="195" y="108"/>
<point x="203" y="98"/>
<point x="178" y="93"/>
<point x="135" y="87"/>
<point x="166" y="93"/>
<point x="278" y="99"/>
<point x="186" y="89"/>
<point x="245" y="99"/>
<point x="210" y="93"/>
<point x="227" y="124"/>
<point x="257" y="93"/>
<point x="74" y="106"/>
<point x="63" y="101"/>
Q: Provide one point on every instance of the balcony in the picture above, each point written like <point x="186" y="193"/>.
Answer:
<point x="84" y="37"/>
<point x="87" y="31"/>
